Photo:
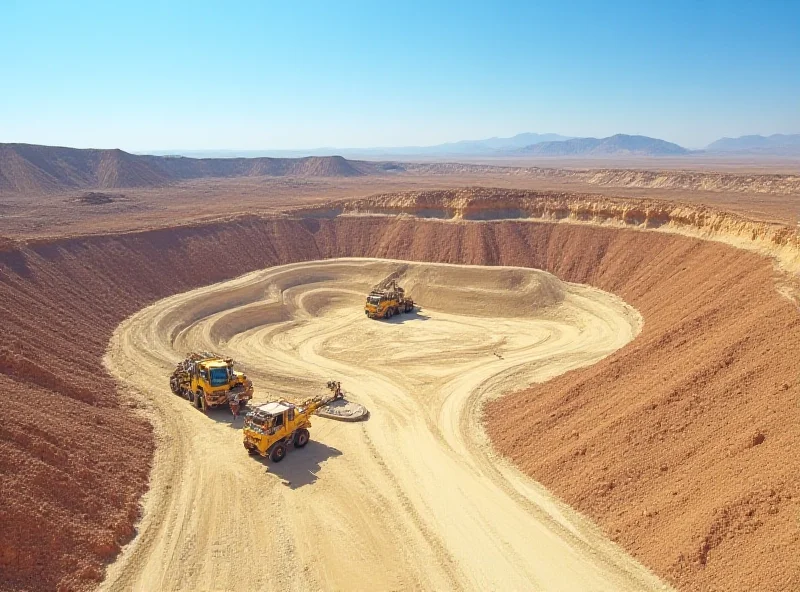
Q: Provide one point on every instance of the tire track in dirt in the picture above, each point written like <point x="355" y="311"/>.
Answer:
<point x="413" y="498"/>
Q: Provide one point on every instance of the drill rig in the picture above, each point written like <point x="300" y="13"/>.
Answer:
<point x="271" y="428"/>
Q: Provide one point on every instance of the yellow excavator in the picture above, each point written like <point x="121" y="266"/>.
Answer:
<point x="387" y="299"/>
<point x="272" y="427"/>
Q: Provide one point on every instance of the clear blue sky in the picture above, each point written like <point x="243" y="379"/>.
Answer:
<point x="259" y="75"/>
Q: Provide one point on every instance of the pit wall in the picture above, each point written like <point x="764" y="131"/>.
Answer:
<point x="682" y="446"/>
<point x="776" y="241"/>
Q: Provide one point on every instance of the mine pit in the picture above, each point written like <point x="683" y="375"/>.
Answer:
<point x="420" y="464"/>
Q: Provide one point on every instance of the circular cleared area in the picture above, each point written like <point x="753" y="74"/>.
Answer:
<point x="411" y="498"/>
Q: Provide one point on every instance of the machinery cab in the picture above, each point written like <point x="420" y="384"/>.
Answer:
<point x="271" y="418"/>
<point x="214" y="375"/>
<point x="376" y="304"/>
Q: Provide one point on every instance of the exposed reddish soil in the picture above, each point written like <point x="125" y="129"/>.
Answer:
<point x="704" y="403"/>
<point x="74" y="457"/>
<point x="683" y="445"/>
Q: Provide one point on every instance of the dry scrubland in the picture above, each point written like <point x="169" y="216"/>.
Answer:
<point x="682" y="445"/>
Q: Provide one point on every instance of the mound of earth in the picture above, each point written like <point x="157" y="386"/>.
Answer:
<point x="344" y="410"/>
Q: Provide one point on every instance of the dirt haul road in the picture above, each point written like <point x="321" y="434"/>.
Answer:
<point x="410" y="499"/>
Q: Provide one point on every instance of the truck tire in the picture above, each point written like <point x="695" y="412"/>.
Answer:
<point x="277" y="452"/>
<point x="301" y="437"/>
<point x="388" y="313"/>
<point x="175" y="385"/>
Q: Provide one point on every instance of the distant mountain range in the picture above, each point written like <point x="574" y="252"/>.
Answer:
<point x="522" y="144"/>
<point x="488" y="146"/>
<point x="776" y="144"/>
<point x="34" y="168"/>
<point x="477" y="147"/>
<point x="618" y="145"/>
<point x="530" y="144"/>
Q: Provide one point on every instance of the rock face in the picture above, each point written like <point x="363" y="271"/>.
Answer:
<point x="682" y="445"/>
<point x="484" y="204"/>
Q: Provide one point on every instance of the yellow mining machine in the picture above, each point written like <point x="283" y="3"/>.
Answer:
<point x="387" y="299"/>
<point x="209" y="380"/>
<point x="271" y="428"/>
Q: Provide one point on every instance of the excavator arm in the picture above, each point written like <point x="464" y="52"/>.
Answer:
<point x="390" y="281"/>
<point x="311" y="405"/>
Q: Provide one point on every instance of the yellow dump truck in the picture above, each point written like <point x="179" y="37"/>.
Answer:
<point x="386" y="300"/>
<point x="208" y="380"/>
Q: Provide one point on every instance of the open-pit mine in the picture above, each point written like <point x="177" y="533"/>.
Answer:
<point x="592" y="392"/>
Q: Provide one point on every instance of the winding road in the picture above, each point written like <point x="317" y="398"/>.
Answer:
<point x="413" y="498"/>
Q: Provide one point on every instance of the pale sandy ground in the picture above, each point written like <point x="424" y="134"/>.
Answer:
<point x="411" y="499"/>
